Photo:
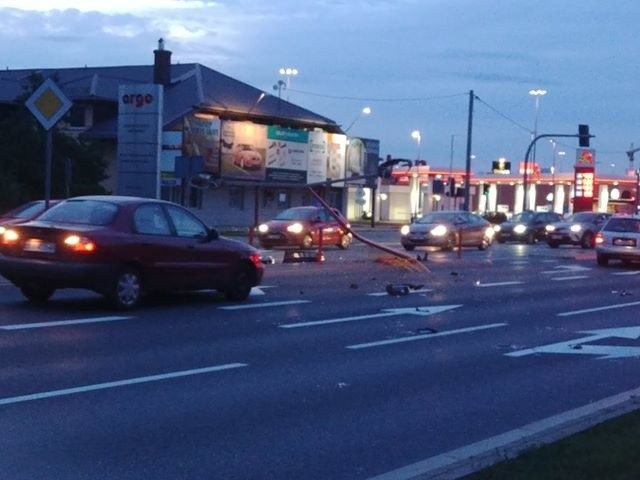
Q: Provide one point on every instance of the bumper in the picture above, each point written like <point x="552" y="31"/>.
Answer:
<point x="93" y="276"/>
<point x="424" y="241"/>
<point x="619" y="253"/>
<point x="563" y="238"/>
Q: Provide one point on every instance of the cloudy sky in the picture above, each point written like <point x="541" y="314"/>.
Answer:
<point x="413" y="62"/>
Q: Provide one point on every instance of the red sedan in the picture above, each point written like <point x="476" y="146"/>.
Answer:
<point x="123" y="247"/>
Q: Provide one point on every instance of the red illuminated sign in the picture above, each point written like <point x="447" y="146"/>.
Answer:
<point x="584" y="182"/>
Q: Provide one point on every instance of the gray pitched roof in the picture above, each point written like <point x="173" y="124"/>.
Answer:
<point x="193" y="87"/>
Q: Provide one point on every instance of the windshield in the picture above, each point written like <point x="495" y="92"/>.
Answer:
<point x="437" y="217"/>
<point x="581" y="217"/>
<point x="297" y="214"/>
<point x="522" y="217"/>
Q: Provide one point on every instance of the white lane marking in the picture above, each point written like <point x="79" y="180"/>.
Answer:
<point x="578" y="346"/>
<point x="387" y="312"/>
<point x="119" y="383"/>
<point x="383" y="294"/>
<point x="567" y="269"/>
<point x="469" y="458"/>
<point x="574" y="277"/>
<point x="263" y="305"/>
<point x="498" y="284"/>
<point x="62" y="323"/>
<point x="637" y="272"/>
<point x="598" y="309"/>
<point x="425" y="336"/>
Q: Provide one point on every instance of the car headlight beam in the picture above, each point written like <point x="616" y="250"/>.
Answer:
<point x="295" y="228"/>
<point x="439" y="231"/>
<point x="520" y="228"/>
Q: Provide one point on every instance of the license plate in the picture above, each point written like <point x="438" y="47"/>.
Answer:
<point x="37" y="245"/>
<point x="273" y="236"/>
<point x="556" y="235"/>
<point x="624" y="242"/>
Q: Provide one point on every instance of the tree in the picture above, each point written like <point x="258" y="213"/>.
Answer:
<point x="22" y="157"/>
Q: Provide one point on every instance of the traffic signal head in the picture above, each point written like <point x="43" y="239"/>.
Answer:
<point x="583" y="135"/>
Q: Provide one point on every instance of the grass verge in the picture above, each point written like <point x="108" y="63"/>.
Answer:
<point x="608" y="451"/>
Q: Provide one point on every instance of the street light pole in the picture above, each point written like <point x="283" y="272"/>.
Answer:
<point x="363" y="112"/>
<point x="288" y="72"/>
<point x="536" y="93"/>
<point x="416" y="136"/>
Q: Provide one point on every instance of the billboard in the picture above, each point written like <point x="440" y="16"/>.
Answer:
<point x="287" y="155"/>
<point x="243" y="150"/>
<point x="201" y="138"/>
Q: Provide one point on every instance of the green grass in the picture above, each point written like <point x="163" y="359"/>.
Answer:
<point x="609" y="451"/>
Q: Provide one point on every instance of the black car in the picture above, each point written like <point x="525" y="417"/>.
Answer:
<point x="527" y="226"/>
<point x="577" y="229"/>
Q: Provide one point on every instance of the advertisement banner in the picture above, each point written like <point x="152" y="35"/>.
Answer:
<point x="201" y="134"/>
<point x="318" y="157"/>
<point x="337" y="145"/>
<point x="242" y="150"/>
<point x="287" y="153"/>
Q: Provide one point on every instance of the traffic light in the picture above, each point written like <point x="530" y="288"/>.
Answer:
<point x="452" y="187"/>
<point x="485" y="189"/>
<point x="583" y="135"/>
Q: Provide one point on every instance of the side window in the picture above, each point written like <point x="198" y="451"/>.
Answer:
<point x="151" y="220"/>
<point x="187" y="224"/>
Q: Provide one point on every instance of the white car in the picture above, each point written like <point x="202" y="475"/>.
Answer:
<point x="619" y="239"/>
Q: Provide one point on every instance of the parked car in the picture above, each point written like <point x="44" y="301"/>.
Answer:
<point x="123" y="247"/>
<point x="619" y="239"/>
<point x="446" y="229"/>
<point x="23" y="213"/>
<point x="577" y="229"/>
<point x="527" y="226"/>
<point x="301" y="226"/>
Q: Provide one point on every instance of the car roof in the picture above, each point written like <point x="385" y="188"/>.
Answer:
<point x="120" y="199"/>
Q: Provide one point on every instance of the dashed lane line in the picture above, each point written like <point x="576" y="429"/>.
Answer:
<point x="118" y="383"/>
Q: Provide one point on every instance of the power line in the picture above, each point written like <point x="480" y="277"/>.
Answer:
<point x="506" y="117"/>
<point x="374" y="99"/>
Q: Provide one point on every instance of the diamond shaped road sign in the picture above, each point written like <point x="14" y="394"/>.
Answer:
<point x="48" y="104"/>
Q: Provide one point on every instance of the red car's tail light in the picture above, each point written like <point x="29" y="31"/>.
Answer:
<point x="79" y="244"/>
<point x="599" y="239"/>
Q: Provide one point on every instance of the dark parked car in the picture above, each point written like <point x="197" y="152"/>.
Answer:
<point x="577" y="229"/>
<point x="23" y="213"/>
<point x="445" y="229"/>
<point x="123" y="247"/>
<point x="619" y="239"/>
<point x="301" y="226"/>
<point x="527" y="226"/>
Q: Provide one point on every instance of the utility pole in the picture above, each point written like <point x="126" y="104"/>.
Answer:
<point x="467" y="186"/>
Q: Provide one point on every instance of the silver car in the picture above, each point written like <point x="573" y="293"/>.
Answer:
<point x="619" y="239"/>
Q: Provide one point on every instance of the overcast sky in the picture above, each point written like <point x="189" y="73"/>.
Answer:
<point x="413" y="62"/>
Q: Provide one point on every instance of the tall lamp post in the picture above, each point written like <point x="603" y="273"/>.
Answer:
<point x="288" y="72"/>
<point x="536" y="93"/>
<point x="365" y="111"/>
<point x="416" y="136"/>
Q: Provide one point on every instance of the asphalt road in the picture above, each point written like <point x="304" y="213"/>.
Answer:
<point x="321" y="374"/>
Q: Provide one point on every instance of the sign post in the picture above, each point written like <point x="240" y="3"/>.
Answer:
<point x="48" y="104"/>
